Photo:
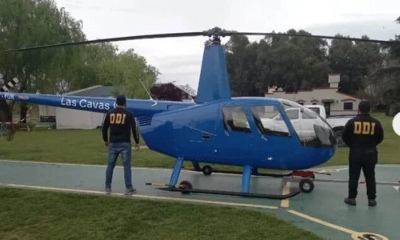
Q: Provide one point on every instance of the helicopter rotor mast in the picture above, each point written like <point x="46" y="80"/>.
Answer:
<point x="216" y="33"/>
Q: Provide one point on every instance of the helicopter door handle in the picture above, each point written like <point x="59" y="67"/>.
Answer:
<point x="205" y="137"/>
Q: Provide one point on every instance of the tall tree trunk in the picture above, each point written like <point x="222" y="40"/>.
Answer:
<point x="23" y="106"/>
<point x="5" y="109"/>
<point x="5" y="113"/>
<point x="24" y="110"/>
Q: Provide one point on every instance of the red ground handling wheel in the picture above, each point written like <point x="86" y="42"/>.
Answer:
<point x="306" y="185"/>
<point x="305" y="179"/>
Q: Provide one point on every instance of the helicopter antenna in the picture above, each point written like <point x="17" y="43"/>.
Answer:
<point x="145" y="88"/>
<point x="148" y="93"/>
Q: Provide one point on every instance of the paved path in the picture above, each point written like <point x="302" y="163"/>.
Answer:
<point x="321" y="211"/>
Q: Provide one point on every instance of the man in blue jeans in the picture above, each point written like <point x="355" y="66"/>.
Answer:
<point x="121" y="123"/>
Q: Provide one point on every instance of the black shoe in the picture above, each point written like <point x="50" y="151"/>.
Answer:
<point x="372" y="202"/>
<point x="130" y="191"/>
<point x="350" y="201"/>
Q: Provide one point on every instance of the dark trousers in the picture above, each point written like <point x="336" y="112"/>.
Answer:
<point x="366" y="160"/>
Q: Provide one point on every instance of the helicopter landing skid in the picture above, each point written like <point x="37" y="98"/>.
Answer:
<point x="185" y="187"/>
<point x="208" y="170"/>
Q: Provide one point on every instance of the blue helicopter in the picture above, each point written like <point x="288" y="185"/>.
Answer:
<point x="249" y="132"/>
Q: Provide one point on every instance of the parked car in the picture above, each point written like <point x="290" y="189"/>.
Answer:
<point x="336" y="122"/>
<point x="303" y="122"/>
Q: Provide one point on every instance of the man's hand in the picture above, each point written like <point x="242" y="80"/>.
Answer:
<point x="137" y="146"/>
<point x="106" y="144"/>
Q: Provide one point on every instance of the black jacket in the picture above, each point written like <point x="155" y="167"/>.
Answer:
<point x="363" y="132"/>
<point x="121" y="122"/>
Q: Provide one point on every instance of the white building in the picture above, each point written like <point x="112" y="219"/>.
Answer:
<point x="77" y="119"/>
<point x="335" y="102"/>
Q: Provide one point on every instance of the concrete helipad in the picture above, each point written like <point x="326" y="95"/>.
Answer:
<point x="321" y="211"/>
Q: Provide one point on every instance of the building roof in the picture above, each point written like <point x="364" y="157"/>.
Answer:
<point x="94" y="91"/>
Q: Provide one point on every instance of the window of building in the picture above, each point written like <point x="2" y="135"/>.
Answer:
<point x="348" y="106"/>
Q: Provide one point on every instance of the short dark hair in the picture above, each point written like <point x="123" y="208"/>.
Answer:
<point x="121" y="100"/>
<point x="364" y="107"/>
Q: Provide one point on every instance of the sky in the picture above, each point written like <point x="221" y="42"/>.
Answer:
<point x="179" y="59"/>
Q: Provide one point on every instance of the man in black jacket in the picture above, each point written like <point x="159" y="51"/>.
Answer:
<point x="121" y="123"/>
<point x="362" y="135"/>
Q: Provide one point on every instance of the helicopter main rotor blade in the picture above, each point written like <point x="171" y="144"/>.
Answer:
<point x="214" y="32"/>
<point x="138" y="37"/>
<point x="316" y="36"/>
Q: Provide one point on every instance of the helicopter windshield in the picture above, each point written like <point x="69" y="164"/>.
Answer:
<point x="311" y="129"/>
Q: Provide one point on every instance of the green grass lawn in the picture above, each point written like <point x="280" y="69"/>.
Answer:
<point x="71" y="146"/>
<point x="30" y="214"/>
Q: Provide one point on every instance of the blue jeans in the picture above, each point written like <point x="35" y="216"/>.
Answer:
<point x="114" y="149"/>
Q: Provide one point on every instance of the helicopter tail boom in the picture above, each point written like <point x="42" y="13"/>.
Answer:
<point x="79" y="103"/>
<point x="92" y="104"/>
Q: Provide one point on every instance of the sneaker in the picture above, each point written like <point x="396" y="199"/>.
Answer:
<point x="350" y="201"/>
<point x="108" y="190"/>
<point x="130" y="191"/>
<point x="371" y="202"/>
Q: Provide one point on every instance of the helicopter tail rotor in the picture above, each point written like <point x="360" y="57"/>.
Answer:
<point x="9" y="85"/>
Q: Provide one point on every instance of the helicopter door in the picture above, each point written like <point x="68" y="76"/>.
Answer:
<point x="273" y="140"/>
<point x="236" y="132"/>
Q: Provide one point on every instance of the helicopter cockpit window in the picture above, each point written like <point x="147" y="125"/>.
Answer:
<point x="311" y="129"/>
<point x="235" y="119"/>
<point x="268" y="121"/>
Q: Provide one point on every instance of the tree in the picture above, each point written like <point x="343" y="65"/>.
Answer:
<point x="386" y="79"/>
<point x="240" y="61"/>
<point x="134" y="75"/>
<point x="97" y="65"/>
<point x="26" y="23"/>
<point x="298" y="63"/>
<point x="354" y="62"/>
<point x="166" y="91"/>
<point x="293" y="63"/>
